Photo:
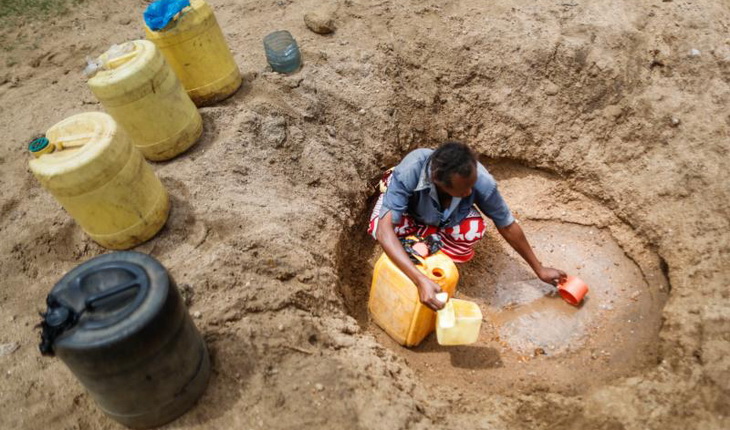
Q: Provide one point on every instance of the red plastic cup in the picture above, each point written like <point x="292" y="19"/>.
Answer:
<point x="573" y="290"/>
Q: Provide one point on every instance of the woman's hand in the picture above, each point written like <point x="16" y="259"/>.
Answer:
<point x="427" y="290"/>
<point x="550" y="275"/>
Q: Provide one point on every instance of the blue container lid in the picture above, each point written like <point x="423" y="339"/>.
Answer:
<point x="39" y="144"/>
<point x="158" y="14"/>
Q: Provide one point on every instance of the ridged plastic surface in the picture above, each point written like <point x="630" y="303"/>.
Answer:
<point x="394" y="303"/>
<point x="196" y="50"/>
<point x="142" y="93"/>
<point x="103" y="181"/>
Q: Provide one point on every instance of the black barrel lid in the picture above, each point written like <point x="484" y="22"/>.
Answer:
<point x="103" y="300"/>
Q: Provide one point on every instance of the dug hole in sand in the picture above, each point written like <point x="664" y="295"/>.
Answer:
<point x="531" y="338"/>
<point x="608" y="135"/>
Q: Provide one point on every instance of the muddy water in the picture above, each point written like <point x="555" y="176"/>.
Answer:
<point x="529" y="315"/>
<point x="530" y="338"/>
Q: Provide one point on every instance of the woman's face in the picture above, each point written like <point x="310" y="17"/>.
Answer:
<point x="461" y="186"/>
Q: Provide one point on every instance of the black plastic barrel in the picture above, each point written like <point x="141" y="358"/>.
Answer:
<point x="119" y="323"/>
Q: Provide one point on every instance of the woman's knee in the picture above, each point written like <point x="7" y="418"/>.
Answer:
<point x="469" y="230"/>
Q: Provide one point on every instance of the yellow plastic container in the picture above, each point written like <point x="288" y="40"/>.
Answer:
<point x="142" y="93"/>
<point x="102" y="181"/>
<point x="394" y="302"/>
<point x="194" y="46"/>
<point x="458" y="323"/>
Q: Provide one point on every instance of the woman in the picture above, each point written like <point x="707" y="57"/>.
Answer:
<point x="434" y="192"/>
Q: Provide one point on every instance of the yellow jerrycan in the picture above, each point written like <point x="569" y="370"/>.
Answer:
<point x="91" y="167"/>
<point x="459" y="322"/>
<point x="195" y="48"/>
<point x="142" y="93"/>
<point x="394" y="302"/>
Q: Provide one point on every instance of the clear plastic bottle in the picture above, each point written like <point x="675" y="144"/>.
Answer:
<point x="282" y="52"/>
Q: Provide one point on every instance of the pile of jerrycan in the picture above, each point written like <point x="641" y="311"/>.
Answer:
<point x="395" y="306"/>
<point x="118" y="321"/>
<point x="95" y="164"/>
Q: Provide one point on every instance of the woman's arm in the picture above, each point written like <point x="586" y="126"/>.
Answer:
<point x="427" y="288"/>
<point x="514" y="235"/>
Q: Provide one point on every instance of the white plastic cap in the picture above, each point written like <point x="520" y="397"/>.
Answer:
<point x="442" y="297"/>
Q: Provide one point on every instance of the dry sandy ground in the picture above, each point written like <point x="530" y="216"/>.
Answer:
<point x="622" y="128"/>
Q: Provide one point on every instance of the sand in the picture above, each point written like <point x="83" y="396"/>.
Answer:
<point x="595" y="117"/>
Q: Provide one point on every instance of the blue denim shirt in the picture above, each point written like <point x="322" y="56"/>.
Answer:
<point x="411" y="191"/>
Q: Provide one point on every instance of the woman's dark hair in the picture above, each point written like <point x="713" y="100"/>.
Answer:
<point x="452" y="158"/>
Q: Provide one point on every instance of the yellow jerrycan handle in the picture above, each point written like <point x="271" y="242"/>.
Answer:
<point x="118" y="55"/>
<point x="43" y="145"/>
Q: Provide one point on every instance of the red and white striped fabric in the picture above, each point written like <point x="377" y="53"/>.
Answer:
<point x="458" y="240"/>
